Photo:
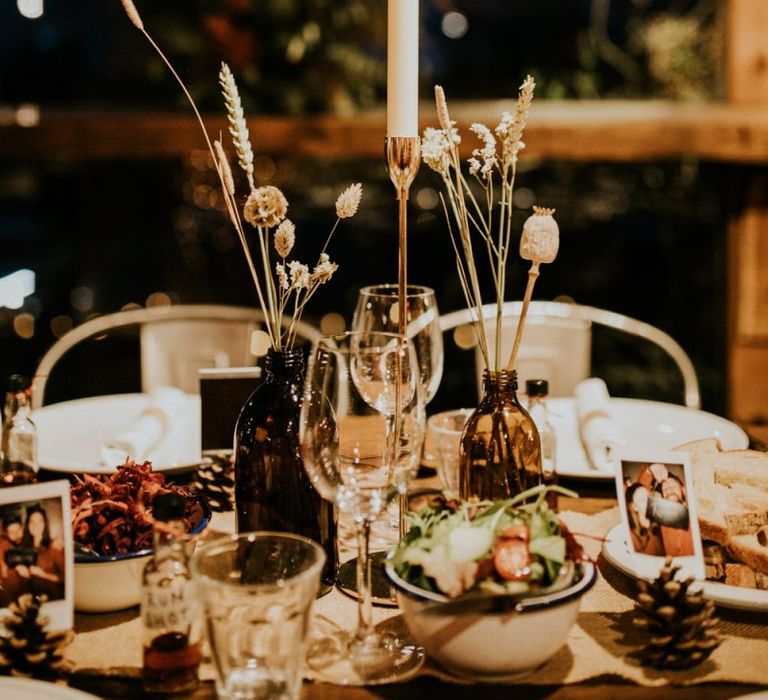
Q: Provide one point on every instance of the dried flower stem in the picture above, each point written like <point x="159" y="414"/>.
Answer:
<point x="265" y="208"/>
<point x="441" y="153"/>
<point x="226" y="182"/>
<point x="237" y="126"/>
<point x="533" y="275"/>
<point x="226" y="171"/>
<point x="133" y="14"/>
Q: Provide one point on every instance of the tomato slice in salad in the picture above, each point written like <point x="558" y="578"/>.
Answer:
<point x="512" y="559"/>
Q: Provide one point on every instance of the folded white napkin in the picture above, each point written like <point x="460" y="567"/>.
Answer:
<point x="598" y="429"/>
<point x="147" y="431"/>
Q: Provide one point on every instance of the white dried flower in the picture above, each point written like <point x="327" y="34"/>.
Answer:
<point x="349" y="201"/>
<point x="435" y="150"/>
<point x="282" y="276"/>
<point x="226" y="171"/>
<point x="236" y="117"/>
<point x="487" y="153"/>
<point x="285" y="237"/>
<point x="540" y="239"/>
<point x="299" y="274"/>
<point x="265" y="206"/>
<point x="324" y="269"/>
<point x="443" y="118"/>
<point x="133" y="14"/>
<point x="446" y="123"/>
<point x="510" y="128"/>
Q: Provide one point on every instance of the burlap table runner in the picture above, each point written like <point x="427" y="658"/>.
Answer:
<point x="599" y="643"/>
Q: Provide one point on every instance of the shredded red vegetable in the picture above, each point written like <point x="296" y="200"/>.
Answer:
<point x="112" y="513"/>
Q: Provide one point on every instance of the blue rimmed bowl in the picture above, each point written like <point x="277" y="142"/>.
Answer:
<point x="113" y="582"/>
<point x="492" y="638"/>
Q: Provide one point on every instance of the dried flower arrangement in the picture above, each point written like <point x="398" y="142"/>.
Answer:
<point x="283" y="290"/>
<point x="490" y="221"/>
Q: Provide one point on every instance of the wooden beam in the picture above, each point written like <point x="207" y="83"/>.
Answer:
<point x="610" y="130"/>
<point x="747" y="84"/>
<point x="747" y="51"/>
<point x="749" y="241"/>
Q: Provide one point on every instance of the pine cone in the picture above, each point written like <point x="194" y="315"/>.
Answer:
<point x="26" y="648"/>
<point x="215" y="479"/>
<point x="680" y="623"/>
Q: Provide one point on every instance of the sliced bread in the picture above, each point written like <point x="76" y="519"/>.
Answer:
<point x="732" y="509"/>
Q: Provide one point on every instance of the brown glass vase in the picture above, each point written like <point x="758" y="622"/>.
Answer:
<point x="500" y="450"/>
<point x="272" y="490"/>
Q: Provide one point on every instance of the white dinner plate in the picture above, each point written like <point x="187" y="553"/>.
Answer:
<point x="646" y="425"/>
<point x="25" y="689"/>
<point x="70" y="433"/>
<point x="616" y="553"/>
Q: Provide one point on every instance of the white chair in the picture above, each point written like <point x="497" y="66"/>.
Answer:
<point x="175" y="342"/>
<point x="557" y="342"/>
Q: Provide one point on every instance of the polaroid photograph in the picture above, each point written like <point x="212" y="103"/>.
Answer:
<point x="658" y="510"/>
<point x="36" y="554"/>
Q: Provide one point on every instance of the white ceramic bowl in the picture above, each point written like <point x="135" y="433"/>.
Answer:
<point x="486" y="645"/>
<point x="109" y="583"/>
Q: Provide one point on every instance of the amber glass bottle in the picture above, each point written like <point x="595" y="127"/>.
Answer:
<point x="500" y="451"/>
<point x="272" y="490"/>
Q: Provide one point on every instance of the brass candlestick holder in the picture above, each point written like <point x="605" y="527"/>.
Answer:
<point x="403" y="155"/>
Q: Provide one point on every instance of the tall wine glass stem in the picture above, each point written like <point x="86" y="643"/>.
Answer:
<point x="364" y="602"/>
<point x="403" y="506"/>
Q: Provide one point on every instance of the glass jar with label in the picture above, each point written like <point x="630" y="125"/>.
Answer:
<point x="538" y="390"/>
<point x="18" y="448"/>
<point x="169" y="610"/>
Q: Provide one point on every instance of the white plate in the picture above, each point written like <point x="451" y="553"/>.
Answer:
<point x="645" y="425"/>
<point x="70" y="433"/>
<point x="25" y="689"/>
<point x="617" y="554"/>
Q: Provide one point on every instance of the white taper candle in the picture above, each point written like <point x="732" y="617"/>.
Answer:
<point x="403" y="68"/>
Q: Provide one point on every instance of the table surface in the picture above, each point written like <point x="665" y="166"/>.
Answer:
<point x="596" y="497"/>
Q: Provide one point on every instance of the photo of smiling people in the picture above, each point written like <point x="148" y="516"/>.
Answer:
<point x="36" y="547"/>
<point x="657" y="502"/>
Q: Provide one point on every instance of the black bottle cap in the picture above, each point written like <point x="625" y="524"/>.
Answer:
<point x="537" y="387"/>
<point x="168" y="506"/>
<point x="18" y="383"/>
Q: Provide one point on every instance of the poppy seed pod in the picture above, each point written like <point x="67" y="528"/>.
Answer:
<point x="541" y="237"/>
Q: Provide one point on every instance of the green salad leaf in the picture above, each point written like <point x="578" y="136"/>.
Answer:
<point x="512" y="546"/>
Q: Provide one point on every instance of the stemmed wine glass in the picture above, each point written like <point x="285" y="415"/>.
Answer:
<point x="378" y="310"/>
<point x="361" y="428"/>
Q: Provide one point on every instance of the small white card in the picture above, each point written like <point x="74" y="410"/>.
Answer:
<point x="658" y="509"/>
<point x="36" y="554"/>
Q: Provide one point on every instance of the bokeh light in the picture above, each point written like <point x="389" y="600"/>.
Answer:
<point x="158" y="299"/>
<point x="332" y="323"/>
<point x="454" y="25"/>
<point x="27" y="115"/>
<point x="464" y="336"/>
<point x="81" y="299"/>
<point x="31" y="9"/>
<point x="427" y="198"/>
<point x="24" y="325"/>
<point x="61" y="325"/>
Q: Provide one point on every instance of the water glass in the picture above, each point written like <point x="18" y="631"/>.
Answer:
<point x="257" y="591"/>
<point x="446" y="429"/>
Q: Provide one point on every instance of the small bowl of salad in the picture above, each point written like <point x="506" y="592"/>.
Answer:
<point x="490" y="589"/>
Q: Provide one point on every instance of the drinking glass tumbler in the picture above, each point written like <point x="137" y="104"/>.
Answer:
<point x="257" y="591"/>
<point x="445" y="430"/>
